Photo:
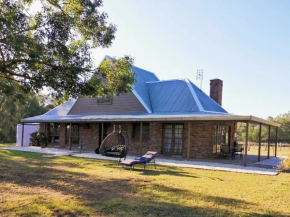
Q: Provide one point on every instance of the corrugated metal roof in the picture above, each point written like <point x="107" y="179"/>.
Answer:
<point x="171" y="116"/>
<point x="140" y="87"/>
<point x="62" y="109"/>
<point x="171" y="96"/>
<point x="207" y="102"/>
<point x="173" y="100"/>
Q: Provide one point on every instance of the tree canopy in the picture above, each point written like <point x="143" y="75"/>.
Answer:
<point x="52" y="46"/>
<point x="12" y="110"/>
<point x="284" y="129"/>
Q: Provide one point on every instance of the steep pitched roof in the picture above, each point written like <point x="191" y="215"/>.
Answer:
<point x="140" y="86"/>
<point x="207" y="102"/>
<point x="171" y="96"/>
<point x="180" y="95"/>
<point x="160" y="97"/>
<point x="62" y="109"/>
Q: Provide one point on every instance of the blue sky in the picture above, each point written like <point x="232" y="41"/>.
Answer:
<point x="245" y="43"/>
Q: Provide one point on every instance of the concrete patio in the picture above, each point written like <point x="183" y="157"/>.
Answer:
<point x="264" y="167"/>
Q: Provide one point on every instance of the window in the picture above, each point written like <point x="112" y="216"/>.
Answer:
<point x="104" y="100"/>
<point x="54" y="132"/>
<point x="87" y="126"/>
<point x="136" y="131"/>
<point x="220" y="137"/>
<point x="74" y="133"/>
<point x="172" y="139"/>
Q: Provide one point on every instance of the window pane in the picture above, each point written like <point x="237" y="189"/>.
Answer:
<point x="136" y="131"/>
<point x="74" y="133"/>
<point x="178" y="139"/>
<point x="145" y="132"/>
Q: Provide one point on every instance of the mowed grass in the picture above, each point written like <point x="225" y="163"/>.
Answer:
<point x="285" y="151"/>
<point x="32" y="185"/>
<point x="7" y="144"/>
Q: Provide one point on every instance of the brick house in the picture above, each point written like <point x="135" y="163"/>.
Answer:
<point x="172" y="117"/>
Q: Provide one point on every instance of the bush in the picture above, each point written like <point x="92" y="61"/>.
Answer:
<point x="285" y="165"/>
<point x="33" y="139"/>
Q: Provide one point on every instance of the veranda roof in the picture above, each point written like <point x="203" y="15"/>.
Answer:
<point x="166" y="117"/>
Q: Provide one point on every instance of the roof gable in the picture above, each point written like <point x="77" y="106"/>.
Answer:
<point x="121" y="104"/>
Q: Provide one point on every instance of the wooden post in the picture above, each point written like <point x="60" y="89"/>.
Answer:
<point x="102" y="132"/>
<point x="45" y="134"/>
<point x="140" y="142"/>
<point x="246" y="145"/>
<point x="22" y="134"/>
<point x="188" y="140"/>
<point x="70" y="125"/>
<point x="276" y="142"/>
<point x="260" y="140"/>
<point x="269" y="138"/>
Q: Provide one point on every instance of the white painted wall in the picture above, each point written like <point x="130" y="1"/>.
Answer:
<point x="28" y="129"/>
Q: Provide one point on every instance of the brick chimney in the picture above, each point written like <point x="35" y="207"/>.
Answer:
<point x="216" y="90"/>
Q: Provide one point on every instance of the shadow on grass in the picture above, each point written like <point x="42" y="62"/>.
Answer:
<point x="151" y="171"/>
<point x="110" y="195"/>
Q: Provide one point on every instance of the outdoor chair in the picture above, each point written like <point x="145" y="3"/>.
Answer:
<point x="225" y="151"/>
<point x="116" y="145"/>
<point x="238" y="150"/>
<point x="148" y="158"/>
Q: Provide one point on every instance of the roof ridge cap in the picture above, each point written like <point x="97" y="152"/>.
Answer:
<point x="210" y="98"/>
<point x="175" y="79"/>
<point x="195" y="97"/>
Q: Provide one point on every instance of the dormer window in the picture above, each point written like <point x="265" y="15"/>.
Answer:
<point x="104" y="100"/>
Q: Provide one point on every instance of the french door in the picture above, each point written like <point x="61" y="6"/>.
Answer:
<point x="221" y="137"/>
<point x="173" y="139"/>
<point x="74" y="133"/>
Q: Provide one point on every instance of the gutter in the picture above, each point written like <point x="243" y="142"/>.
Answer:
<point x="150" y="118"/>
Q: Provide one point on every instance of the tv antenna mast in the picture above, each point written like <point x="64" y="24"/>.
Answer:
<point x="199" y="76"/>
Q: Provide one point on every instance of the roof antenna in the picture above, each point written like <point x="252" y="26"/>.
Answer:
<point x="199" y="76"/>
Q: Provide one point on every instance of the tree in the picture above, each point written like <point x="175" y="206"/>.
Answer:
<point x="12" y="110"/>
<point x="254" y="130"/>
<point x="52" y="47"/>
<point x="284" y="129"/>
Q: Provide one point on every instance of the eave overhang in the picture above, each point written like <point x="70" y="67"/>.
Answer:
<point x="147" y="118"/>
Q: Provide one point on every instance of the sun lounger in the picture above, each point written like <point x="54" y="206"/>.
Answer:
<point x="149" y="157"/>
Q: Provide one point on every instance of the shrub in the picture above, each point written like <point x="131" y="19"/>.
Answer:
<point x="285" y="165"/>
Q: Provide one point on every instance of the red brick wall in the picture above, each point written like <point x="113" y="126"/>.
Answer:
<point x="90" y="137"/>
<point x="216" y="90"/>
<point x="153" y="144"/>
<point x="62" y="135"/>
<point x="201" y="137"/>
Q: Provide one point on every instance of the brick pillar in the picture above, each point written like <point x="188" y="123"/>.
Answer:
<point x="216" y="90"/>
<point x="62" y="134"/>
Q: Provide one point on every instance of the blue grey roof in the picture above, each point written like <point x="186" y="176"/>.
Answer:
<point x="167" y="98"/>
<point x="167" y="116"/>
<point x="62" y="109"/>
<point x="207" y="102"/>
<point x="132" y="117"/>
<point x="140" y="87"/>
<point x="171" y="96"/>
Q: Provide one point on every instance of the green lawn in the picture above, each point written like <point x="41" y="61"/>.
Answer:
<point x="7" y="144"/>
<point x="33" y="185"/>
<point x="285" y="151"/>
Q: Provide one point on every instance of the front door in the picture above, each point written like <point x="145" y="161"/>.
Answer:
<point x="173" y="139"/>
